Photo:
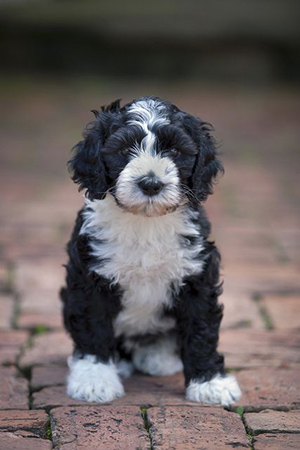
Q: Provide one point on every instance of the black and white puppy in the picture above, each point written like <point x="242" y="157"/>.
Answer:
<point x="142" y="277"/>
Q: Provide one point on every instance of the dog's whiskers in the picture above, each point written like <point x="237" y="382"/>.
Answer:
<point x="188" y="191"/>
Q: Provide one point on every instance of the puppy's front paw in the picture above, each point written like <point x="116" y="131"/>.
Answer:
<point x="220" y="389"/>
<point x="93" y="381"/>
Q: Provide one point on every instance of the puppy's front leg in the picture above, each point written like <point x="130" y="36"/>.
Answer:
<point x="198" y="317"/>
<point x="88" y="317"/>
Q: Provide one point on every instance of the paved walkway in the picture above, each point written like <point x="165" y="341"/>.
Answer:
<point x="255" y="218"/>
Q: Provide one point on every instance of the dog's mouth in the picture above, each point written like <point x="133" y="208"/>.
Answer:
<point x="150" y="208"/>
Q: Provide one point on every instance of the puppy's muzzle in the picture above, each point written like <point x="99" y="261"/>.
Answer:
<point x="150" y="185"/>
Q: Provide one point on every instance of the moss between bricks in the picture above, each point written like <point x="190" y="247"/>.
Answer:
<point x="16" y="311"/>
<point x="240" y="411"/>
<point x="39" y="329"/>
<point x="146" y="424"/>
<point x="48" y="433"/>
<point x="9" y="279"/>
<point x="258" y="298"/>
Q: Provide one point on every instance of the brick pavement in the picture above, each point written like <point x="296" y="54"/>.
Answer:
<point x="255" y="223"/>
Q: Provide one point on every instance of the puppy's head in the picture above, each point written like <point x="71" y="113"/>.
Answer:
<point x="149" y="155"/>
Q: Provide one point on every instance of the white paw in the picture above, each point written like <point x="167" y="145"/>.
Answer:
<point x="124" y="368"/>
<point x="159" y="359"/>
<point x="220" y="389"/>
<point x="93" y="381"/>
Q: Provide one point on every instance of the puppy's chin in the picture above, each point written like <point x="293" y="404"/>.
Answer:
<point x="151" y="208"/>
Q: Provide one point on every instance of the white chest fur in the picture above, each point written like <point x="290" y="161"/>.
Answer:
<point x="146" y="256"/>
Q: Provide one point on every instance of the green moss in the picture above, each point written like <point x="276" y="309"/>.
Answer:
<point x="257" y="297"/>
<point x="146" y="425"/>
<point x="251" y="440"/>
<point x="144" y="416"/>
<point x="240" y="411"/>
<point x="39" y="329"/>
<point x="9" y="279"/>
<point x="266" y="318"/>
<point x="48" y="434"/>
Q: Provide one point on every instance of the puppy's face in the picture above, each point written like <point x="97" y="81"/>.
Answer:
<point x="149" y="160"/>
<point x="151" y="156"/>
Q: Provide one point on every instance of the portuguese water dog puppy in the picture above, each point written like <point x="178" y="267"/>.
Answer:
<point x="142" y="280"/>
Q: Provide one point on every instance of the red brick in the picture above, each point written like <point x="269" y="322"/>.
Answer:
<point x="283" y="310"/>
<point x="53" y="396"/>
<point x="39" y="274"/>
<point x="10" y="441"/>
<point x="41" y="300"/>
<point x="50" y="213"/>
<point x="11" y="343"/>
<point x="195" y="428"/>
<point x="269" y="388"/>
<point x="268" y="421"/>
<point x="147" y="390"/>
<point x="43" y="376"/>
<point x="240" y="245"/>
<point x="99" y="428"/>
<point x="40" y="307"/>
<point x="6" y="311"/>
<point x="30" y="249"/>
<point x="14" y="392"/>
<point x="259" y="278"/>
<point x="254" y="348"/>
<point x="13" y="338"/>
<point x="34" y="319"/>
<point x="31" y="242"/>
<point x="262" y="388"/>
<point x="140" y="390"/>
<point x="290" y="242"/>
<point x="24" y="423"/>
<point x="47" y="349"/>
<point x="276" y="442"/>
<point x="239" y="310"/>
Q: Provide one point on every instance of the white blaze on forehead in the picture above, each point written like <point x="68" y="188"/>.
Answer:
<point x="146" y="114"/>
<point x="148" y="143"/>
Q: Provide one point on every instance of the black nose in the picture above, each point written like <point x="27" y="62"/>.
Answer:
<point x="150" y="186"/>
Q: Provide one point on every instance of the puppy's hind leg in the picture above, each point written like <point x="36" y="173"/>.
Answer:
<point x="124" y="364"/>
<point x="159" y="358"/>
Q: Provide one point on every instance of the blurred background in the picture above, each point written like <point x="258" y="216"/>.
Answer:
<point x="234" y="64"/>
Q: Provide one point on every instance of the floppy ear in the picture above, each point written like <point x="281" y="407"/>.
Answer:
<point x="207" y="166"/>
<point x="87" y="166"/>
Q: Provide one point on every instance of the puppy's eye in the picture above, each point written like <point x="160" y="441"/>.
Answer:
<point x="123" y="152"/>
<point x="173" y="152"/>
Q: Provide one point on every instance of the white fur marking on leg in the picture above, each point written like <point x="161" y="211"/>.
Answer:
<point x="220" y="389"/>
<point x="93" y="381"/>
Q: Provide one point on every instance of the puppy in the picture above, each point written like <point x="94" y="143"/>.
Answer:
<point x="142" y="277"/>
